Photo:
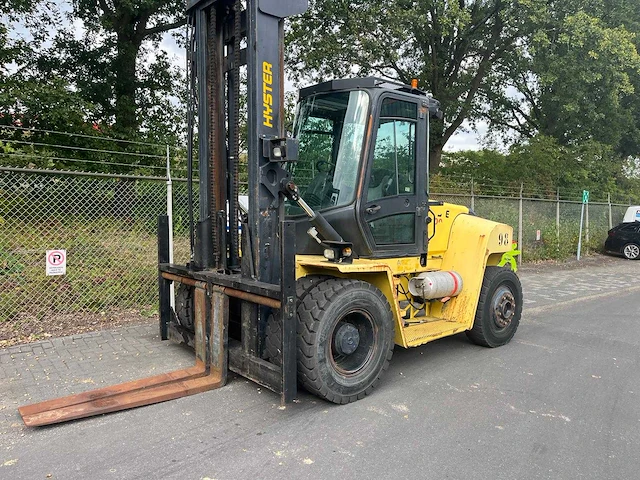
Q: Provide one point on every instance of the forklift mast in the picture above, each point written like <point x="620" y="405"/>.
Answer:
<point x="260" y="284"/>
<point x="223" y="38"/>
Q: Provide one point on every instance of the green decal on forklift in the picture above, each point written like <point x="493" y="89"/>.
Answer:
<point x="510" y="257"/>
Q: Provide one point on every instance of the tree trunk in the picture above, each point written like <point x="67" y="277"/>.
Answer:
<point x="435" y="154"/>
<point x="125" y="86"/>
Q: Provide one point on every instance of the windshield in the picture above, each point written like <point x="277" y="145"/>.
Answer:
<point x="330" y="128"/>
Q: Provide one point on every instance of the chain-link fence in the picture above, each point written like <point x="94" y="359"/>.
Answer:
<point x="545" y="228"/>
<point x="107" y="225"/>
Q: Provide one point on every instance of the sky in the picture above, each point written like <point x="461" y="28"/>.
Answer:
<point x="468" y="140"/>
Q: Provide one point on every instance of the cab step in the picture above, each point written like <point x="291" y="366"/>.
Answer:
<point x="430" y="328"/>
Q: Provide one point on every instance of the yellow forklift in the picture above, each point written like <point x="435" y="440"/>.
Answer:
<point x="340" y="254"/>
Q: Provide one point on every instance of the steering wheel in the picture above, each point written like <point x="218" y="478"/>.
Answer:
<point x="324" y="166"/>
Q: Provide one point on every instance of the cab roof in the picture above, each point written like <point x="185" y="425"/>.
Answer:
<point x="372" y="82"/>
<point x="356" y="83"/>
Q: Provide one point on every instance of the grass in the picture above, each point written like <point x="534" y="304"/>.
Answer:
<point x="554" y="244"/>
<point x="111" y="263"/>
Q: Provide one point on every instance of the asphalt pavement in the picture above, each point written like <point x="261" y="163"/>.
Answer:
<point x="561" y="401"/>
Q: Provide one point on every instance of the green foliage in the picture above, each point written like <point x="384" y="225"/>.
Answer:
<point x="584" y="76"/>
<point x="48" y="103"/>
<point x="114" y="80"/>
<point x="9" y="263"/>
<point x="543" y="165"/>
<point x="566" y="71"/>
<point x="453" y="48"/>
<point x="575" y="74"/>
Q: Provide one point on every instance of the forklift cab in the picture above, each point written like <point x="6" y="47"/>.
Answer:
<point x="363" y="164"/>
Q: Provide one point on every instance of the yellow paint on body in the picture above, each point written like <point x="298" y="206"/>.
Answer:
<point x="462" y="243"/>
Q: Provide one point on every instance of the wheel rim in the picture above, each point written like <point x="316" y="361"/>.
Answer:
<point x="353" y="343"/>
<point x="631" y="251"/>
<point x="503" y="307"/>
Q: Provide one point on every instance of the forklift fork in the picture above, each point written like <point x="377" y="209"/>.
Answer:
<point x="211" y="319"/>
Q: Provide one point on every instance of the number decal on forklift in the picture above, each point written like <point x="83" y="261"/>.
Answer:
<point x="267" y="97"/>
<point x="503" y="239"/>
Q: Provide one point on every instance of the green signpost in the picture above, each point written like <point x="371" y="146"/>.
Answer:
<point x="585" y="200"/>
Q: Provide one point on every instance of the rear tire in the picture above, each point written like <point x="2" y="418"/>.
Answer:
<point x="184" y="306"/>
<point x="631" y="251"/>
<point x="345" y="339"/>
<point x="499" y="308"/>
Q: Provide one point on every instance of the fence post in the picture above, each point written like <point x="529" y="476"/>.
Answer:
<point x="520" y="245"/>
<point x="172" y="293"/>
<point x="558" y="221"/>
<point x="610" y="219"/>
<point x="473" y="198"/>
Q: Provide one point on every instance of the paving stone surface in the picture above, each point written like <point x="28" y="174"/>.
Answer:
<point x="548" y="285"/>
<point x="64" y="366"/>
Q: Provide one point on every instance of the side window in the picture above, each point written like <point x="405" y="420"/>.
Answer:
<point x="394" y="229"/>
<point x="316" y="146"/>
<point x="394" y="154"/>
<point x="394" y="169"/>
<point x="406" y="157"/>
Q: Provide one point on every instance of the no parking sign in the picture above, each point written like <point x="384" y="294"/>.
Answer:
<point x="56" y="262"/>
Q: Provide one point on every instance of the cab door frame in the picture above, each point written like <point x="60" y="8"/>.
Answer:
<point x="416" y="202"/>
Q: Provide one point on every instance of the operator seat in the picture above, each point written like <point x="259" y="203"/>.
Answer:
<point x="315" y="192"/>
<point x="379" y="184"/>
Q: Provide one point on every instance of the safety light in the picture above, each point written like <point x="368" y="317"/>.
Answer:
<point x="338" y="252"/>
<point x="329" y="254"/>
<point x="278" y="149"/>
<point x="414" y="83"/>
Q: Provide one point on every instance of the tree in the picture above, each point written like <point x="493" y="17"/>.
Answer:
<point x="12" y="48"/>
<point x="454" y="49"/>
<point x="107" y="63"/>
<point x="106" y="78"/>
<point x="573" y="78"/>
<point x="543" y="165"/>
<point x="29" y="98"/>
<point x="107" y="52"/>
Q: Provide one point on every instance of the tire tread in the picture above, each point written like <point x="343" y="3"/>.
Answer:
<point x="478" y="333"/>
<point x="273" y="331"/>
<point x="309" y="313"/>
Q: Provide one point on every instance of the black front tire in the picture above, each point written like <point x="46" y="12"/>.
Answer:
<point x="345" y="339"/>
<point x="499" y="308"/>
<point x="273" y="332"/>
<point x="184" y="306"/>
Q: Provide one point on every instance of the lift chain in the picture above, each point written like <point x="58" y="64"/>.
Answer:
<point x="213" y="126"/>
<point x="235" y="141"/>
